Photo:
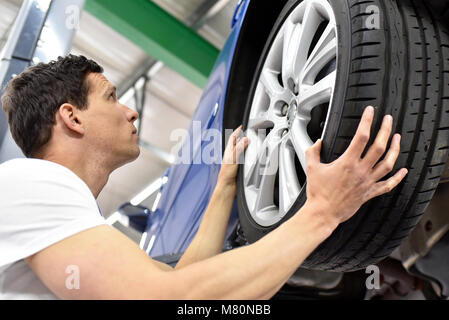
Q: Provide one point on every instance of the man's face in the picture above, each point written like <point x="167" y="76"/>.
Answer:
<point x="108" y="124"/>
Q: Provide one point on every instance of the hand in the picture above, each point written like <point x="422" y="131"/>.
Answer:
<point x="235" y="147"/>
<point x="340" y="188"/>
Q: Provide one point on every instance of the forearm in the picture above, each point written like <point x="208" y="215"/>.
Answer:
<point x="258" y="270"/>
<point x="210" y="236"/>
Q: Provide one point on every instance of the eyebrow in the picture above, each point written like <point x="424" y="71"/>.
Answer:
<point x="110" y="88"/>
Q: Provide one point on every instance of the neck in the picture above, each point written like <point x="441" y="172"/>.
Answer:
<point x="93" y="172"/>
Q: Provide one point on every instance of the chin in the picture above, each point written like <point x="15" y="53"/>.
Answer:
<point x="129" y="156"/>
<point x="133" y="153"/>
<point x="136" y="153"/>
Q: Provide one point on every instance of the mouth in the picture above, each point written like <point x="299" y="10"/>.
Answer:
<point x="135" y="131"/>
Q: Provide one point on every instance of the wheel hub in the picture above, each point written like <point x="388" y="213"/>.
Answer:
<point x="291" y="113"/>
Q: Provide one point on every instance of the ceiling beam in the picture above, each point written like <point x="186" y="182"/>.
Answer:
<point x="206" y="10"/>
<point x="200" y="12"/>
<point x="160" y="35"/>
<point x="194" y="21"/>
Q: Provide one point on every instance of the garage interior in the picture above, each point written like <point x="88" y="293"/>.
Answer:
<point x="170" y="98"/>
<point x="157" y="81"/>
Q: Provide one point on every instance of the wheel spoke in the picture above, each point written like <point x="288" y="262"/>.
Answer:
<point x="269" y="80"/>
<point x="261" y="100"/>
<point x="291" y="31"/>
<point x="265" y="160"/>
<point x="300" y="140"/>
<point x="252" y="161"/>
<point x="267" y="169"/>
<point x="325" y="51"/>
<point x="289" y="28"/>
<point x="326" y="37"/>
<point x="296" y="53"/>
<point x="252" y="178"/>
<point x="311" y="96"/>
<point x="264" y="199"/>
<point x="289" y="186"/>
<point x="262" y="121"/>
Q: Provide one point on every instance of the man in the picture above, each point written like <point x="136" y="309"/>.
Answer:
<point x="67" y="120"/>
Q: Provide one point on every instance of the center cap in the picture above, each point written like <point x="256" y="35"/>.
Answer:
<point x="291" y="115"/>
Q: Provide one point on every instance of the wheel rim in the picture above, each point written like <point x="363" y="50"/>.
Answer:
<point x="290" y="109"/>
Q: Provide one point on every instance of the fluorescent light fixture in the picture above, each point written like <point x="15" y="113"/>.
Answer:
<point x="138" y="199"/>
<point x="148" y="191"/>
<point x="118" y="217"/>
<point x="155" y="69"/>
<point x="127" y="96"/>
<point x="139" y="84"/>
<point x="150" y="245"/>
<point x="113" y="218"/>
<point x="143" y="239"/>
<point x="156" y="202"/>
<point x="43" y="5"/>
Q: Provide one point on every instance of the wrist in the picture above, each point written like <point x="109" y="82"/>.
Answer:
<point x="319" y="216"/>
<point x="227" y="188"/>
<point x="225" y="180"/>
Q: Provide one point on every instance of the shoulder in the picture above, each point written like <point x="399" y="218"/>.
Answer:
<point x="31" y="168"/>
<point x="35" y="183"/>
<point x="43" y="203"/>
<point x="32" y="173"/>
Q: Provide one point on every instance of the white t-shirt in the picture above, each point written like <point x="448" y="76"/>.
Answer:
<point x="41" y="203"/>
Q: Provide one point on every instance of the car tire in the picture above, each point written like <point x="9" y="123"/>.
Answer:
<point x="401" y="68"/>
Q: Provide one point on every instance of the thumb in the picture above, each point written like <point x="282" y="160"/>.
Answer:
<point x="313" y="154"/>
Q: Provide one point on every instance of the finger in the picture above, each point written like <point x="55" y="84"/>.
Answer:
<point x="237" y="132"/>
<point x="379" y="146"/>
<point x="387" y="164"/>
<point x="230" y="154"/>
<point x="384" y="187"/>
<point x="232" y="141"/>
<point x="234" y="151"/>
<point x="240" y="148"/>
<point x="362" y="134"/>
<point x="313" y="154"/>
<point x="229" y="151"/>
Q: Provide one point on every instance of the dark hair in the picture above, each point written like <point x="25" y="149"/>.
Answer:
<point x="32" y="99"/>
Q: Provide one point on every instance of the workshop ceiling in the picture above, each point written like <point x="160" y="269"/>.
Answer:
<point x="8" y="12"/>
<point x="215" y="28"/>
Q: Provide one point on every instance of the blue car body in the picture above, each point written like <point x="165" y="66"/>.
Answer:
<point x="185" y="196"/>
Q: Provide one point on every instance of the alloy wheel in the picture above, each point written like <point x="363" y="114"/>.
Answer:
<point x="290" y="109"/>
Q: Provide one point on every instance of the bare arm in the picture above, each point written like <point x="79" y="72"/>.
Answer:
<point x="209" y="239"/>
<point x="113" y="267"/>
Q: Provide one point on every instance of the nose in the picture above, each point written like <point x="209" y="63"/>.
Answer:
<point x="131" y="115"/>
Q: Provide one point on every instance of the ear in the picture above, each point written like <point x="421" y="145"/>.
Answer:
<point x="69" y="115"/>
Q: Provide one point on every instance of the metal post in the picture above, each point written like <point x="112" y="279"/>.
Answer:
<point x="43" y="30"/>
